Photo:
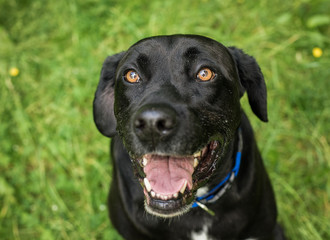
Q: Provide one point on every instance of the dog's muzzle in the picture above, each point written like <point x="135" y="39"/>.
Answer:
<point x="170" y="180"/>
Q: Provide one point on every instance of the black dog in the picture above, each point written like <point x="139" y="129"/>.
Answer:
<point x="172" y="106"/>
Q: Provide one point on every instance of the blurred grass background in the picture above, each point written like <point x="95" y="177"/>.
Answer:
<point x="54" y="164"/>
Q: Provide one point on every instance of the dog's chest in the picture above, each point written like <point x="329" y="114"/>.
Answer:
<point x="204" y="234"/>
<point x="201" y="235"/>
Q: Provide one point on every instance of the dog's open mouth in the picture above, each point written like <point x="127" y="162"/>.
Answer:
<point x="170" y="182"/>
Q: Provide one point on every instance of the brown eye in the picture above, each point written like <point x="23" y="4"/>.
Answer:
<point x="132" y="76"/>
<point x="205" y="74"/>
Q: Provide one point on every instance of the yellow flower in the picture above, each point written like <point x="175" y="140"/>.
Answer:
<point x="317" y="52"/>
<point x="14" y="71"/>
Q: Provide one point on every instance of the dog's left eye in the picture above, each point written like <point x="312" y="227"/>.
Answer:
<point x="205" y="74"/>
<point x="132" y="76"/>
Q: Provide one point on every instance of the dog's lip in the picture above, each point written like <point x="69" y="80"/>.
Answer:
<point x="177" y="202"/>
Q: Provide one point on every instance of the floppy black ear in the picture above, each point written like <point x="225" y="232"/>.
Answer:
<point x="104" y="117"/>
<point x="252" y="81"/>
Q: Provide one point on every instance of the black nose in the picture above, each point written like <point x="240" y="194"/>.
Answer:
<point x="154" y="123"/>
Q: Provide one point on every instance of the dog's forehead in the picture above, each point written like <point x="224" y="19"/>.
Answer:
<point x="175" y="46"/>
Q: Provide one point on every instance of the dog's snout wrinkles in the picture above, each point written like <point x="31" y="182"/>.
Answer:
<point x="154" y="123"/>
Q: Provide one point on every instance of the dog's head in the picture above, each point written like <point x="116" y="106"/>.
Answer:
<point x="174" y="101"/>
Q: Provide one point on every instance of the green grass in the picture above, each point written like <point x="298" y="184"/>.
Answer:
<point x="54" y="165"/>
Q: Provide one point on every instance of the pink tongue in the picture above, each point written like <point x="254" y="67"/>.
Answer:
<point x="168" y="174"/>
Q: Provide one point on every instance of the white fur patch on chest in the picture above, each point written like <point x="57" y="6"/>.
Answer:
<point x="201" y="235"/>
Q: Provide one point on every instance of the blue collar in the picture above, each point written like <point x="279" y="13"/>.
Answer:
<point x="215" y="193"/>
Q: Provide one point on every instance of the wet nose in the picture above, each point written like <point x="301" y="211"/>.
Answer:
<point x="155" y="123"/>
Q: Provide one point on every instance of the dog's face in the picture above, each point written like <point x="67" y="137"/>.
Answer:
<point x="174" y="101"/>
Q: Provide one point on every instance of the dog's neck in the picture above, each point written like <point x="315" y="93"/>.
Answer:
<point x="219" y="190"/>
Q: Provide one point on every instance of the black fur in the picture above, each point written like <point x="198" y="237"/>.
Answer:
<point x="104" y="97"/>
<point x="197" y="112"/>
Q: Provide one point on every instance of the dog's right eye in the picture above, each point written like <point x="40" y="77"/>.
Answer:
<point x="205" y="74"/>
<point x="132" y="76"/>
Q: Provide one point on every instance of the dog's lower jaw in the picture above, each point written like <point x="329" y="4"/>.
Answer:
<point x="177" y="213"/>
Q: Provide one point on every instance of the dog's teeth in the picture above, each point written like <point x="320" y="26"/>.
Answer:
<point x="165" y="198"/>
<point x="198" y="154"/>
<point x="195" y="162"/>
<point x="144" y="161"/>
<point x="147" y="184"/>
<point x="157" y="195"/>
<point x="153" y="194"/>
<point x="184" y="187"/>
<point x="175" y="195"/>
